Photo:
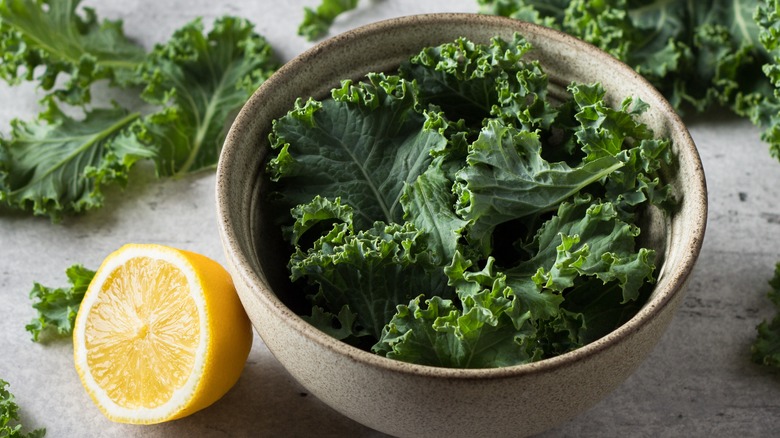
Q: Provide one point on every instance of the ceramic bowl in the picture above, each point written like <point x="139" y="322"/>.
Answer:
<point x="403" y="399"/>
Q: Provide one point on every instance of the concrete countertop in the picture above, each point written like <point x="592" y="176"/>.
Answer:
<point x="699" y="381"/>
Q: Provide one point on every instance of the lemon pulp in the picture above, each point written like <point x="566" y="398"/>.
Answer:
<point x="142" y="335"/>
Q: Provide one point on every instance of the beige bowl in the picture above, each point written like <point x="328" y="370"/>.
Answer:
<point x="411" y="400"/>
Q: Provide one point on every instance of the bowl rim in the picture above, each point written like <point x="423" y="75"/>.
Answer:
<point x="697" y="190"/>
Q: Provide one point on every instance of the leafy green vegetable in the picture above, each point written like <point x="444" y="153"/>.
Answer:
<point x="382" y="265"/>
<point x="316" y="22"/>
<point x="375" y="144"/>
<point x="452" y="215"/>
<point x="491" y="330"/>
<point x="9" y="416"/>
<point x="57" y="307"/>
<point x="507" y="179"/>
<point x="766" y="348"/>
<point x="58" y="164"/>
<point x="51" y="37"/>
<point x="669" y="42"/>
<point x="202" y="80"/>
<point x="699" y="54"/>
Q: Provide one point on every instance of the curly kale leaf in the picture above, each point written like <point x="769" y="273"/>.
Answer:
<point x="699" y="54"/>
<point x="586" y="238"/>
<point x="58" y="165"/>
<point x="371" y="271"/>
<point x="52" y="38"/>
<point x="489" y="327"/>
<point x="374" y="141"/>
<point x="506" y="179"/>
<point x="317" y="22"/>
<point x="9" y="416"/>
<point x="473" y="81"/>
<point x="57" y="308"/>
<point x="202" y="80"/>
<point x="766" y="348"/>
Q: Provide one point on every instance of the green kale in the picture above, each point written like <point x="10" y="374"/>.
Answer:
<point x="670" y="43"/>
<point x="444" y="233"/>
<point x="201" y="81"/>
<point x="9" y="416"/>
<point x="766" y="348"/>
<point x="317" y="22"/>
<point x="50" y="37"/>
<point x="375" y="141"/>
<point x="57" y="164"/>
<point x="57" y="307"/>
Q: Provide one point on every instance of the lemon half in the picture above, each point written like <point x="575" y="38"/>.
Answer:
<point x="160" y="334"/>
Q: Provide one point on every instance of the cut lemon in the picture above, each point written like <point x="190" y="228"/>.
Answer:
<point x="159" y="335"/>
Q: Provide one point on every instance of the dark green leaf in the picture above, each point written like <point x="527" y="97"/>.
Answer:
<point x="375" y="143"/>
<point x="57" y="308"/>
<point x="9" y="416"/>
<point x="203" y="80"/>
<point x="317" y="22"/>
<point x="58" y="164"/>
<point x="51" y="38"/>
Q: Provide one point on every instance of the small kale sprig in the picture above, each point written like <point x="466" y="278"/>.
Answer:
<point x="9" y="416"/>
<point x="57" y="307"/>
<point x="766" y="347"/>
<point x="317" y="22"/>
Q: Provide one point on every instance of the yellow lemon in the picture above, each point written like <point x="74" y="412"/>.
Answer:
<point x="159" y="335"/>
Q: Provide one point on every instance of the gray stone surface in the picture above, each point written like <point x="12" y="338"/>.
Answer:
<point x="699" y="381"/>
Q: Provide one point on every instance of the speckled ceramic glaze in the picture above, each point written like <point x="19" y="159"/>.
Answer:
<point x="410" y="400"/>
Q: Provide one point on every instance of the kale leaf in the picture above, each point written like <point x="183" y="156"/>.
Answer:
<point x="317" y="22"/>
<point x="58" y="164"/>
<point x="9" y="416"/>
<point x="57" y="308"/>
<point x="53" y="38"/>
<point x="196" y="82"/>
<point x="766" y="347"/>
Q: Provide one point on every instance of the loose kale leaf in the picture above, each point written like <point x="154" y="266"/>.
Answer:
<point x="57" y="307"/>
<point x="766" y="347"/>
<point x="440" y="334"/>
<point x="698" y="54"/>
<point x="375" y="143"/>
<point x="57" y="164"/>
<point x="202" y="80"/>
<point x="9" y="414"/>
<point x="371" y="271"/>
<point x="763" y="108"/>
<point x="316" y="23"/>
<point x="507" y="178"/>
<point x="605" y="131"/>
<point x="53" y="38"/>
